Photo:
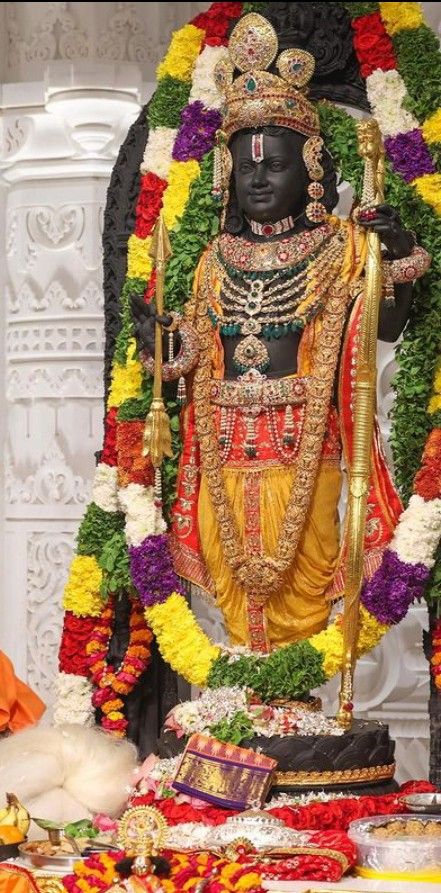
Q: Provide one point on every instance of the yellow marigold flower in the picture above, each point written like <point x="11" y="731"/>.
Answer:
<point x="371" y="632"/>
<point x="432" y="128"/>
<point x="126" y="380"/>
<point x="139" y="262"/>
<point x="82" y="590"/>
<point x="189" y="652"/>
<point x="230" y="870"/>
<point x="84" y="885"/>
<point x="180" y="178"/>
<point x="330" y="643"/>
<point x="182" y="54"/>
<point x="435" y="404"/>
<point x="429" y="188"/>
<point x="437" y="382"/>
<point x="249" y="881"/>
<point x="401" y="16"/>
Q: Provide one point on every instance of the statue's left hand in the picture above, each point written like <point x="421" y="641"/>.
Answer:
<point x="385" y="220"/>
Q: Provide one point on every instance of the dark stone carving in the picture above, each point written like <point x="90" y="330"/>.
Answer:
<point x="156" y="692"/>
<point x="324" y="29"/>
<point x="119" y="220"/>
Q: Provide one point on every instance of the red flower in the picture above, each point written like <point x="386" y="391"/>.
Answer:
<point x="76" y="633"/>
<point x="134" y="468"/>
<point x="149" y="204"/>
<point x="417" y="787"/>
<point x="427" y="482"/>
<point x="432" y="450"/>
<point x="108" y="454"/>
<point x="216" y="22"/>
<point x="373" y="45"/>
<point x="149" y="293"/>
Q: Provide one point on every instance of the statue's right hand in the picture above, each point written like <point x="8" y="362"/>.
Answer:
<point x="144" y="321"/>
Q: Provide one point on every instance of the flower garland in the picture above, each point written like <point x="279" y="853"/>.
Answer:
<point x="176" y="177"/>
<point x="327" y="857"/>
<point x="110" y="684"/>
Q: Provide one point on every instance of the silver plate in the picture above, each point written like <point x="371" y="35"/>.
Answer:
<point x="63" y="862"/>
<point x="424" y="803"/>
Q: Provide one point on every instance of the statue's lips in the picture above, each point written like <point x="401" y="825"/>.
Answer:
<point x="260" y="196"/>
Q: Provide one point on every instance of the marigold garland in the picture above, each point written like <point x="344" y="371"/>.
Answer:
<point x="82" y="590"/>
<point x="182" y="53"/>
<point x="126" y="380"/>
<point x="108" y="682"/>
<point x="400" y="16"/>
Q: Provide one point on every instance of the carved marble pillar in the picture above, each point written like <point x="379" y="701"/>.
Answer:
<point x="56" y="164"/>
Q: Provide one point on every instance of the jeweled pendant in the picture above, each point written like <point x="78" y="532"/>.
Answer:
<point x="251" y="353"/>
<point x="251" y="327"/>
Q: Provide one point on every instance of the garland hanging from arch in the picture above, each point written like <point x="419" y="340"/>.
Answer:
<point x="176" y="176"/>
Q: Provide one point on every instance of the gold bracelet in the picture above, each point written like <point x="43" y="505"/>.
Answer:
<point x="407" y="269"/>
<point x="183" y="362"/>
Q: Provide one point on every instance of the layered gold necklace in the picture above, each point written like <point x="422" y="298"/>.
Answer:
<point x="262" y="575"/>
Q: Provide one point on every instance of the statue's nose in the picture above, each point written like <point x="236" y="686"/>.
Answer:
<point x="259" y="175"/>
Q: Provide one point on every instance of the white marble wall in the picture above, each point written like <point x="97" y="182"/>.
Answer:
<point x="73" y="77"/>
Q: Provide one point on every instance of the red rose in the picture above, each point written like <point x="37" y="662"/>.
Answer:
<point x="108" y="454"/>
<point x="372" y="44"/>
<point x="76" y="633"/>
<point x="149" y="204"/>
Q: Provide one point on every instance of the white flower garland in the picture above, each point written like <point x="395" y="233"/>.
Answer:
<point x="74" y="700"/>
<point x="204" y="88"/>
<point x="386" y="92"/>
<point x="105" y="487"/>
<point x="417" y="534"/>
<point x="158" y="151"/>
<point x="142" y="517"/>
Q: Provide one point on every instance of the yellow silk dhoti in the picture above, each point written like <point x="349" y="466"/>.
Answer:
<point x="299" y="609"/>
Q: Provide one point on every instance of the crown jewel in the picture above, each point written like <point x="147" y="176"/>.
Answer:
<point x="257" y="97"/>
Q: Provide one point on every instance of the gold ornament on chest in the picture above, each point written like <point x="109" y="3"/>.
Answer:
<point x="251" y="353"/>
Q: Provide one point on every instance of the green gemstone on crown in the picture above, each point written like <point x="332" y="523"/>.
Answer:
<point x="251" y="85"/>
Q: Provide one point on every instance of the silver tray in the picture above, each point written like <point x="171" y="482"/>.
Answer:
<point x="62" y="862"/>
<point x="423" y="803"/>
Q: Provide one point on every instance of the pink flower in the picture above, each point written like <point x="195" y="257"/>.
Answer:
<point x="104" y="823"/>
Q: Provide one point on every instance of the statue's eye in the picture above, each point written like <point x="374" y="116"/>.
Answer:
<point x="276" y="165"/>
<point x="246" y="166"/>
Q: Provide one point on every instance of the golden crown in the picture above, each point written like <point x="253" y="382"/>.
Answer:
<point x="257" y="98"/>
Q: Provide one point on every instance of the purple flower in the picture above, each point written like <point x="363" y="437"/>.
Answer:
<point x="409" y="155"/>
<point x="196" y="133"/>
<point x="152" y="571"/>
<point x="393" y="588"/>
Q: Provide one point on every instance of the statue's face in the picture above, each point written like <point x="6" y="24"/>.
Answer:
<point x="276" y="186"/>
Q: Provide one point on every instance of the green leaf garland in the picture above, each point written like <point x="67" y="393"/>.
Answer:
<point x="290" y="672"/>
<point x="97" y="527"/>
<point x="419" y="64"/>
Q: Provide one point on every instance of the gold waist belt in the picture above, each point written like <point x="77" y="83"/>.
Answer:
<point x="257" y="392"/>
